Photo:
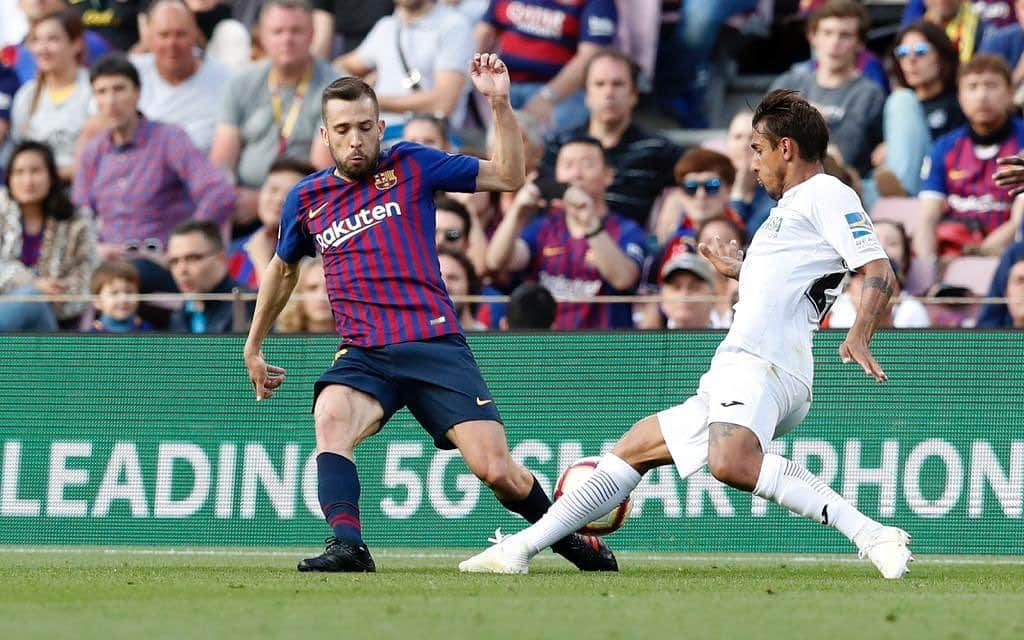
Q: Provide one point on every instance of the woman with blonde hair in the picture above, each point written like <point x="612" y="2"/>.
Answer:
<point x="54" y="106"/>
<point x="309" y="310"/>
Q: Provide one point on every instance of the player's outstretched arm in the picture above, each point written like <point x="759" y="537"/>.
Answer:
<point x="726" y="258"/>
<point x="506" y="170"/>
<point x="276" y="287"/>
<point x="879" y="281"/>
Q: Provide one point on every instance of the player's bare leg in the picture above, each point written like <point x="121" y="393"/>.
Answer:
<point x="735" y="458"/>
<point x="641" y="449"/>
<point x="343" y="417"/>
<point x="484" y="447"/>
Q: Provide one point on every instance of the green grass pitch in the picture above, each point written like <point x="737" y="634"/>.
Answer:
<point x="147" y="594"/>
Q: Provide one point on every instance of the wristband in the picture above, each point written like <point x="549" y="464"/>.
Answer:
<point x="595" y="232"/>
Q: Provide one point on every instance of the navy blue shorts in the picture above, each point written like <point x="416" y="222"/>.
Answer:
<point x="438" y="380"/>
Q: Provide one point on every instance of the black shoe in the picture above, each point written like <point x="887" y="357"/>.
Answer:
<point x="340" y="556"/>
<point x="588" y="553"/>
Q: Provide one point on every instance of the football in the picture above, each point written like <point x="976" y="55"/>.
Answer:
<point x="575" y="475"/>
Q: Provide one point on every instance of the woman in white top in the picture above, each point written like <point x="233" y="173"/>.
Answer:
<point x="53" y="107"/>
<point x="906" y="312"/>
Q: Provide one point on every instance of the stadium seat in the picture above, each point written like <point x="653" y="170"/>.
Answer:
<point x="902" y="210"/>
<point x="972" y="272"/>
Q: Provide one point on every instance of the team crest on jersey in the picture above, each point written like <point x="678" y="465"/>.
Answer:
<point x="385" y="180"/>
<point x="860" y="224"/>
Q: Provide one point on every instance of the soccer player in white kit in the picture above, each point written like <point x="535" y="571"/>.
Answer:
<point x="759" y="384"/>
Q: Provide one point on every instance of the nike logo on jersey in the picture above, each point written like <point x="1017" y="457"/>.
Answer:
<point x="341" y="230"/>
<point x="315" y="212"/>
<point x="481" y="403"/>
<point x="731" y="403"/>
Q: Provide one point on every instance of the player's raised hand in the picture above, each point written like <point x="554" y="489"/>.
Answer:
<point x="727" y="258"/>
<point x="490" y="75"/>
<point x="1011" y="174"/>
<point x="855" y="349"/>
<point x="264" y="377"/>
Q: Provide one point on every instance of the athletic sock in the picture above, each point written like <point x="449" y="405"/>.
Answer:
<point x="793" y="486"/>
<point x="533" y="506"/>
<point x="611" y="483"/>
<point x="338" y="490"/>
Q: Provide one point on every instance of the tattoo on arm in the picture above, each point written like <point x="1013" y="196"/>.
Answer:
<point x="885" y="292"/>
<point x="879" y="283"/>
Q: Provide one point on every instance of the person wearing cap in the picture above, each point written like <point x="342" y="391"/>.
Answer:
<point x="687" y="274"/>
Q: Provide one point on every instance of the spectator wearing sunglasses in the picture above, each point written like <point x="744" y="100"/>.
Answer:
<point x="920" y="111"/>
<point x="704" y="178"/>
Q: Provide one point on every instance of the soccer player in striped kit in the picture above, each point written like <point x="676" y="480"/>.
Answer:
<point x="372" y="218"/>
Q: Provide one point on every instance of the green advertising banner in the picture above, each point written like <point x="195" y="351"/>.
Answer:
<point x="156" y="440"/>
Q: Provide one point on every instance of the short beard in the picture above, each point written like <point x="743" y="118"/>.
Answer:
<point x="357" y="175"/>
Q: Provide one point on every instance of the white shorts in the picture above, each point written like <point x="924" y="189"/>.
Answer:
<point x="739" y="388"/>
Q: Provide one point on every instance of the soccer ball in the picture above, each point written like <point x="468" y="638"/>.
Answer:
<point x="574" y="476"/>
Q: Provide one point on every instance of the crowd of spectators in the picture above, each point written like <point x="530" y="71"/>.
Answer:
<point x="147" y="148"/>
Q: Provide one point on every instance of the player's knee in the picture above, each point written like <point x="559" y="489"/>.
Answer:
<point x="729" y="468"/>
<point x="334" y="428"/>
<point x="497" y="473"/>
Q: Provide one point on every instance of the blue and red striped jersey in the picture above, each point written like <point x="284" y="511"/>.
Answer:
<point x="537" y="38"/>
<point x="240" y="266"/>
<point x="960" y="170"/>
<point x="377" y="241"/>
<point x="559" y="262"/>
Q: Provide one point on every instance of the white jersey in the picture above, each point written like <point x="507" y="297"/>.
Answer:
<point x="795" y="267"/>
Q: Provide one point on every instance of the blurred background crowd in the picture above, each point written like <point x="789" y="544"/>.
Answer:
<point x="147" y="148"/>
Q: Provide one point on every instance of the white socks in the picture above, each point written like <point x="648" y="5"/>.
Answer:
<point x="786" y="483"/>
<point x="612" y="481"/>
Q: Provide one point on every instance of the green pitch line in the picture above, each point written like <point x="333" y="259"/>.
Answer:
<point x="250" y="593"/>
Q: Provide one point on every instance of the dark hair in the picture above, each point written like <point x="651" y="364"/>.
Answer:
<point x="842" y="9"/>
<point x="349" y="89"/>
<point x="587" y="140"/>
<point x="531" y="306"/>
<point x="438" y="121"/>
<point x="987" y="63"/>
<point x="113" y="270"/>
<point x="475" y="284"/>
<point x="699" y="160"/>
<point x="613" y="54"/>
<point x="741" y="234"/>
<point x="56" y="204"/>
<point x="786" y="115"/>
<point x="291" y="165"/>
<point x="442" y="201"/>
<point x="115" y="63"/>
<point x="949" y="59"/>
<point x="71" y="22"/>
<point x="208" y="228"/>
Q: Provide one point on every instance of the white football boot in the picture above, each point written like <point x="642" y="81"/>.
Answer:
<point x="508" y="555"/>
<point x="886" y="547"/>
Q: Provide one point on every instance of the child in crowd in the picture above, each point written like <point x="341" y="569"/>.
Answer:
<point x="114" y="281"/>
